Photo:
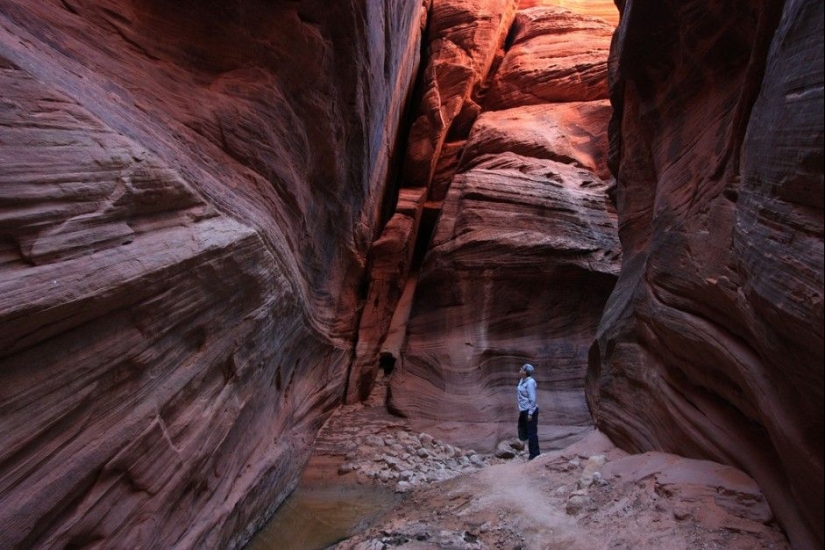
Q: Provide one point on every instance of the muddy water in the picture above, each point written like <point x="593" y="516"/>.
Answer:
<point x="317" y="515"/>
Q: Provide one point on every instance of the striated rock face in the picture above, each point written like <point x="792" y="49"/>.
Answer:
<point x="554" y="56"/>
<point x="187" y="195"/>
<point x="524" y="252"/>
<point x="602" y="9"/>
<point x="464" y="38"/>
<point x="712" y="343"/>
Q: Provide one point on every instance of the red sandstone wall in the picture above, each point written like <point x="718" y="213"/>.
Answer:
<point x="712" y="343"/>
<point x="187" y="196"/>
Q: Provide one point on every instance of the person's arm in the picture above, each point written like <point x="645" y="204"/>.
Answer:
<point x="531" y="392"/>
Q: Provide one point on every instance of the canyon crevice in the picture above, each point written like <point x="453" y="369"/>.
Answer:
<point x="221" y="220"/>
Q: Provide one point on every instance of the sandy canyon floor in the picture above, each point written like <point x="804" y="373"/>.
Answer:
<point x="590" y="495"/>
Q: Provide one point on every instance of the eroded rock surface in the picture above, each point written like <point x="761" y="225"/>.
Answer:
<point x="389" y="265"/>
<point x="555" y="56"/>
<point x="185" y="228"/>
<point x="712" y="343"/>
<point x="524" y="253"/>
<point x="187" y="197"/>
<point x="464" y="40"/>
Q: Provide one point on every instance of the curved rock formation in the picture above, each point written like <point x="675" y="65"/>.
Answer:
<point x="187" y="197"/>
<point x="712" y="343"/>
<point x="602" y="9"/>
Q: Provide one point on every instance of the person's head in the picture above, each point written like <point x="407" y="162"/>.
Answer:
<point x="527" y="369"/>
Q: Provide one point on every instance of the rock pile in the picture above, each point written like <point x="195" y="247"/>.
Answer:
<point x="407" y="459"/>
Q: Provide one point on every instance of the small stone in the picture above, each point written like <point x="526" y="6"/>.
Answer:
<point x="594" y="463"/>
<point x="575" y="504"/>
<point x="346" y="468"/>
<point x="505" y="450"/>
<point x="370" y="545"/>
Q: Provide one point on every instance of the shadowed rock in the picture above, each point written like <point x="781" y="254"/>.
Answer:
<point x="711" y="344"/>
<point x="188" y="194"/>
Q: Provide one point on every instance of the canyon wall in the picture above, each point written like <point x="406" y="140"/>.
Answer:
<point x="524" y="250"/>
<point x="195" y="266"/>
<point x="188" y="192"/>
<point x="712" y="343"/>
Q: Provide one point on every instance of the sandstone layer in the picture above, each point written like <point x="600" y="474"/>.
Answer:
<point x="463" y="41"/>
<point x="524" y="251"/>
<point x="712" y="344"/>
<point x="187" y="198"/>
<point x="554" y="55"/>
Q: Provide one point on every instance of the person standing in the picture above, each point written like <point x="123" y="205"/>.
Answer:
<point x="528" y="410"/>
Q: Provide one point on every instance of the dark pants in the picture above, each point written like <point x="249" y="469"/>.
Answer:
<point x="530" y="432"/>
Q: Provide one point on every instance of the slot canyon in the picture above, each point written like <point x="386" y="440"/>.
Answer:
<point x="222" y="222"/>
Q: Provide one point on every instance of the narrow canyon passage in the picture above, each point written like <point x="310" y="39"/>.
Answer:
<point x="227" y="227"/>
<point x="505" y="188"/>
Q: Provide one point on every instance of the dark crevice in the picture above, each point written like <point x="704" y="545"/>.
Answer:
<point x="426" y="228"/>
<point x="387" y="362"/>
<point x="398" y="157"/>
<point x="511" y="37"/>
<point x="395" y="180"/>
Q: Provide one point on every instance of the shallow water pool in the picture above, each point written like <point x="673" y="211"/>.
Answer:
<point x="317" y="516"/>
